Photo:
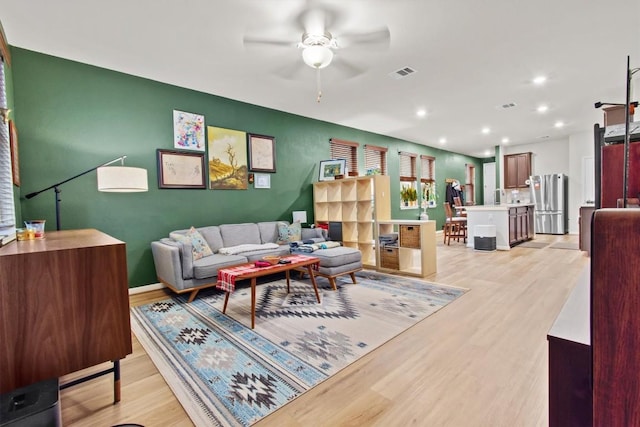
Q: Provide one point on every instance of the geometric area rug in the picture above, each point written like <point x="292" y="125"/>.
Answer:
<point x="224" y="373"/>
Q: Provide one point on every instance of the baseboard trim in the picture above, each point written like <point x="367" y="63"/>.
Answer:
<point x="146" y="288"/>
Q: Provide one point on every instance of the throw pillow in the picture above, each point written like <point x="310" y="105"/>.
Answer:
<point x="289" y="233"/>
<point x="199" y="246"/>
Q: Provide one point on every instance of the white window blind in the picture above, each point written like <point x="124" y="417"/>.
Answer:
<point x="407" y="166"/>
<point x="7" y="208"/>
<point x="348" y="150"/>
<point x="375" y="159"/>
<point x="427" y="168"/>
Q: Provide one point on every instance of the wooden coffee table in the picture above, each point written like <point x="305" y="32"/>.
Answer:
<point x="250" y="271"/>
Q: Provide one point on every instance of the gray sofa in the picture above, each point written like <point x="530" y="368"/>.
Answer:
<point x="178" y="270"/>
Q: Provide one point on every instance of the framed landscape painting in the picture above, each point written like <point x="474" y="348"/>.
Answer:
<point x="227" y="159"/>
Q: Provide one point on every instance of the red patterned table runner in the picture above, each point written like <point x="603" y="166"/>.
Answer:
<point x="227" y="276"/>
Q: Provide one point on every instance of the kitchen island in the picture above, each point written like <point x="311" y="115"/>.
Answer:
<point x="514" y="223"/>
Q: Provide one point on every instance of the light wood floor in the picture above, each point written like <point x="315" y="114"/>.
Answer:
<point x="481" y="361"/>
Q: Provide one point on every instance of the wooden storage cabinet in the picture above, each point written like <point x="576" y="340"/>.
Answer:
<point x="415" y="250"/>
<point x="64" y="306"/>
<point x="611" y="178"/>
<point x="517" y="169"/>
<point x="570" y="392"/>
<point x="520" y="224"/>
<point x="356" y="203"/>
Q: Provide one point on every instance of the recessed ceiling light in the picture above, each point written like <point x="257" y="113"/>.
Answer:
<point x="505" y="140"/>
<point x="486" y="130"/>
<point x="559" y="124"/>
<point x="487" y="153"/>
<point x="539" y="80"/>
<point x="421" y="112"/>
<point x="442" y="141"/>
<point x="542" y="109"/>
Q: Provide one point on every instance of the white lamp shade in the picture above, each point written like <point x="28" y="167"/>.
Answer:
<point x="122" y="179"/>
<point x="300" y="216"/>
<point x="317" y="56"/>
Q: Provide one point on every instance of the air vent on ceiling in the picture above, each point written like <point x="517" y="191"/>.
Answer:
<point x="508" y="105"/>
<point x="402" y="72"/>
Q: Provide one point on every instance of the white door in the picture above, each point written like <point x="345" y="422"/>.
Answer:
<point x="489" y="179"/>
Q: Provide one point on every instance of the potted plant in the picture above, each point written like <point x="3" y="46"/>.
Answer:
<point x="412" y="195"/>
<point x="408" y="195"/>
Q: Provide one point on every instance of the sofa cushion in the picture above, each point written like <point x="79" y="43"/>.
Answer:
<point x="314" y="233"/>
<point x="208" y="267"/>
<point x="288" y="233"/>
<point x="337" y="256"/>
<point x="339" y="269"/>
<point x="199" y="246"/>
<point x="269" y="231"/>
<point x="240" y="234"/>
<point x="213" y="237"/>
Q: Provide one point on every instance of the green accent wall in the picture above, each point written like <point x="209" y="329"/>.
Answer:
<point x="73" y="116"/>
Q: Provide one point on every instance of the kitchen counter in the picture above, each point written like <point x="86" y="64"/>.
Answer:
<point x="508" y="230"/>
<point x="500" y="207"/>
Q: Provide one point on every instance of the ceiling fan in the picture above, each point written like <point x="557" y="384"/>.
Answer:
<point x="322" y="37"/>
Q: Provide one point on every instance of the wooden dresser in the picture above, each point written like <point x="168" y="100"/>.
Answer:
<point x="594" y="343"/>
<point x="64" y="306"/>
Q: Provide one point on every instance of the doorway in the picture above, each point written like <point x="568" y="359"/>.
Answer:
<point x="489" y="180"/>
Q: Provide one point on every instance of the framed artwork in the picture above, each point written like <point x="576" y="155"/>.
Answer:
<point x="227" y="159"/>
<point x="15" y="164"/>
<point x="188" y="131"/>
<point x="330" y="168"/>
<point x="262" y="153"/>
<point x="262" y="180"/>
<point x="181" y="169"/>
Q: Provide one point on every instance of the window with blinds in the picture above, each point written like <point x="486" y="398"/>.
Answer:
<point x="408" y="181"/>
<point x="375" y="160"/>
<point x="7" y="208"/>
<point x="407" y="166"/>
<point x="348" y="150"/>
<point x="428" y="181"/>
<point x="427" y="168"/>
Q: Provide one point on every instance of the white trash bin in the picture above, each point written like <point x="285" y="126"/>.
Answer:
<point x="484" y="238"/>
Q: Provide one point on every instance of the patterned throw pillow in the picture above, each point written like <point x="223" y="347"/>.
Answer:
<point x="199" y="247"/>
<point x="289" y="233"/>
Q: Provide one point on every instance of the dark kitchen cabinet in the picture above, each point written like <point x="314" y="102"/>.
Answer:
<point x="517" y="169"/>
<point x="520" y="224"/>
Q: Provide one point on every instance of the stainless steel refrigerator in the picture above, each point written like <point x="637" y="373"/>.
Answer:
<point x="549" y="193"/>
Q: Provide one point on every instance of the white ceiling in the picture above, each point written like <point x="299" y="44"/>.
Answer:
<point x="471" y="57"/>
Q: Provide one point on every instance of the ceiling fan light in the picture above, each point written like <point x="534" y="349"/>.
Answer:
<point x="317" y="56"/>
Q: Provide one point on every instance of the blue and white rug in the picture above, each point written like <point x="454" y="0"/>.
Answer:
<point x="224" y="373"/>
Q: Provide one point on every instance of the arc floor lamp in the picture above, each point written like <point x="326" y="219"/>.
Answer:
<point x="117" y="179"/>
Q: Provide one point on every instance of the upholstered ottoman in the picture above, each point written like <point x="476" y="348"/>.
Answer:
<point x="335" y="262"/>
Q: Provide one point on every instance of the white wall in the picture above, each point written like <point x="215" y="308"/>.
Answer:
<point x="561" y="156"/>
<point x="581" y="145"/>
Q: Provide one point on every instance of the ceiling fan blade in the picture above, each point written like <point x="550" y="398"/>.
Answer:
<point x="292" y="71"/>
<point x="377" y="38"/>
<point x="317" y="20"/>
<point x="259" y="41"/>
<point x="345" y="68"/>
